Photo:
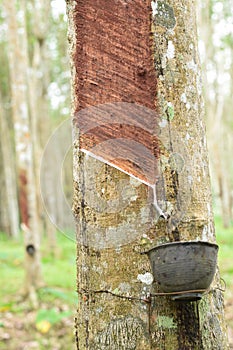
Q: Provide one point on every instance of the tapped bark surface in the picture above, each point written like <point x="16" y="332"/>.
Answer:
<point x="145" y="53"/>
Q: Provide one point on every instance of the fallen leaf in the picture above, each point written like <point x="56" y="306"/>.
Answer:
<point x="43" y="326"/>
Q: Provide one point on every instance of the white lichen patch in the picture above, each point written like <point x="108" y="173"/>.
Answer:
<point x="191" y="46"/>
<point x="169" y="104"/>
<point x="154" y="7"/>
<point x="105" y="264"/>
<point x="195" y="106"/>
<point x="97" y="269"/>
<point x="129" y="192"/>
<point x="192" y="66"/>
<point x="170" y="50"/>
<point x="146" y="238"/>
<point x="134" y="182"/>
<point x="183" y="98"/>
<point x="169" y="208"/>
<point x="146" y="278"/>
<point x="205" y="233"/>
<point x="144" y="214"/>
<point x="164" y="62"/>
<point x="204" y="141"/>
<point x="163" y="123"/>
<point x="124" y="288"/>
<point x="190" y="179"/>
<point x="98" y="310"/>
<point x="199" y="85"/>
<point x="118" y="250"/>
<point x="170" y="32"/>
<point x="161" y="78"/>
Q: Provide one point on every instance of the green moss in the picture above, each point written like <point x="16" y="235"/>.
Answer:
<point x="170" y="112"/>
<point x="165" y="16"/>
<point x="166" y="322"/>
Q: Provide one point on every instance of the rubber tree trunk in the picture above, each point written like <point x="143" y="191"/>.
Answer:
<point x="9" y="170"/>
<point x="39" y="108"/>
<point x="144" y="53"/>
<point x="19" y="68"/>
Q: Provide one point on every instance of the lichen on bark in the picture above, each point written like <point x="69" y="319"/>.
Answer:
<point x="115" y="302"/>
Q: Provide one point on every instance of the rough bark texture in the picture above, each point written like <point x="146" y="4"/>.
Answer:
<point x="114" y="213"/>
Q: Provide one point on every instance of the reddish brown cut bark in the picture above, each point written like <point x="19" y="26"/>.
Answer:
<point x="114" y="63"/>
<point x="114" y="57"/>
<point x="23" y="195"/>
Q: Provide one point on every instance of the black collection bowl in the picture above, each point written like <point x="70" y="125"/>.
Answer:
<point x="184" y="267"/>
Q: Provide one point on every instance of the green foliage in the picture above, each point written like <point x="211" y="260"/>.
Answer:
<point x="49" y="294"/>
<point x="51" y="326"/>
<point x="59" y="272"/>
<point x="53" y="316"/>
<point x="11" y="260"/>
<point x="225" y="241"/>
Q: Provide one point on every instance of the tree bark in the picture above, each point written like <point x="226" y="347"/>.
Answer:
<point x="9" y="170"/>
<point x="145" y="53"/>
<point x="19" y="68"/>
<point x="39" y="108"/>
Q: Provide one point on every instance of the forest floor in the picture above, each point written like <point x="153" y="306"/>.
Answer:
<point x="51" y="326"/>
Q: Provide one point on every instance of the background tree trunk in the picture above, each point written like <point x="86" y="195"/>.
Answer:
<point x="216" y="107"/>
<point x="19" y="68"/>
<point x="11" y="198"/>
<point x="39" y="104"/>
<point x="115" y="216"/>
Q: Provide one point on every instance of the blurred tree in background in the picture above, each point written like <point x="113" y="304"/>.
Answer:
<point x="47" y="74"/>
<point x="216" y="51"/>
<point x="34" y="100"/>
